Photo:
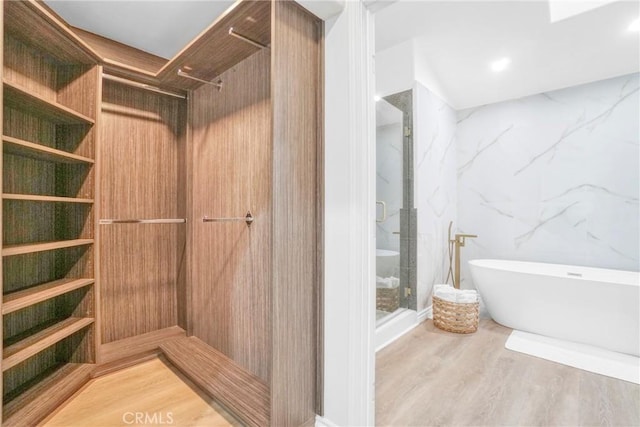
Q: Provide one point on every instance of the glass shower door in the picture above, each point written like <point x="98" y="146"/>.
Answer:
<point x="389" y="196"/>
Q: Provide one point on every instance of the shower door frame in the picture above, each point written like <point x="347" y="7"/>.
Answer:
<point x="403" y="101"/>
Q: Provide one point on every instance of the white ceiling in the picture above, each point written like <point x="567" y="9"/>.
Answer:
<point x="459" y="39"/>
<point x="456" y="39"/>
<point x="159" y="27"/>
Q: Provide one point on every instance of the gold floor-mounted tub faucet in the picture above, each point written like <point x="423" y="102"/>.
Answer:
<point x="456" y="243"/>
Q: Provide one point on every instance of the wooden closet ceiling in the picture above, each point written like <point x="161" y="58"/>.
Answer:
<point x="205" y="57"/>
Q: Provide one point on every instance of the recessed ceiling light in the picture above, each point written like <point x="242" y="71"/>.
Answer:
<point x="377" y="98"/>
<point x="635" y="25"/>
<point x="500" y="64"/>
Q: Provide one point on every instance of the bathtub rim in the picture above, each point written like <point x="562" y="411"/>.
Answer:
<point x="618" y="277"/>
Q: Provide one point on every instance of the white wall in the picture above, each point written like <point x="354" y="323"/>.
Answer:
<point x="435" y="187"/>
<point x="394" y="69"/>
<point x="553" y="177"/>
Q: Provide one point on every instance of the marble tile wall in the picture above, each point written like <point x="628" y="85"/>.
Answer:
<point x="552" y="177"/>
<point x="435" y="168"/>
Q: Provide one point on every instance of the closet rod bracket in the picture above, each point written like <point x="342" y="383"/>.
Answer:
<point x="246" y="39"/>
<point x="248" y="218"/>
<point x="217" y="84"/>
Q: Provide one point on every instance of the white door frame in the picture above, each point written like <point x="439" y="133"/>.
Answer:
<point x="349" y="257"/>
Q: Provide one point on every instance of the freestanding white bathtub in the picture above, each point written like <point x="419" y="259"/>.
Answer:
<point x="586" y="305"/>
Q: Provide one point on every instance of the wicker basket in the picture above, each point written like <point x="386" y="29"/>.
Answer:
<point x="458" y="317"/>
<point x="387" y="299"/>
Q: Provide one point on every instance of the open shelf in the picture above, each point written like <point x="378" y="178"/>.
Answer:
<point x="35" y="343"/>
<point x="37" y="198"/>
<point x="18" y="300"/>
<point x="24" y="148"/>
<point x="11" y="250"/>
<point x="34" y="404"/>
<point x="29" y="20"/>
<point x="20" y="98"/>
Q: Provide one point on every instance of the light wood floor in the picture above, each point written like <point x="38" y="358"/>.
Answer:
<point x="153" y="391"/>
<point x="434" y="378"/>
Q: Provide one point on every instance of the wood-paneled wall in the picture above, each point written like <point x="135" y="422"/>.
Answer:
<point x="140" y="145"/>
<point x="295" y="91"/>
<point x="231" y="173"/>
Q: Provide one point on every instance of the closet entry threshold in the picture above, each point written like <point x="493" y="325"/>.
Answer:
<point x="221" y="378"/>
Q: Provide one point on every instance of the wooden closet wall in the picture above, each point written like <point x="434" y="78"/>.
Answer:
<point x="142" y="176"/>
<point x="233" y="306"/>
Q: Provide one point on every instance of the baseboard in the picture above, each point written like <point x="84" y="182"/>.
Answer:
<point x="323" y="422"/>
<point x="425" y="313"/>
<point x="586" y="357"/>
<point x="395" y="328"/>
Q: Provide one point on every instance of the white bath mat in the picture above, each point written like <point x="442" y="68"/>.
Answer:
<point x="593" y="359"/>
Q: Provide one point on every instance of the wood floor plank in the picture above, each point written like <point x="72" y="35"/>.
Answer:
<point x="430" y="377"/>
<point x="151" y="388"/>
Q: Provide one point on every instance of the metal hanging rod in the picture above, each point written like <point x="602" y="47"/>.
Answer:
<point x="251" y="41"/>
<point x="188" y="76"/>
<point x="143" y="221"/>
<point x="141" y="85"/>
<point x="248" y="218"/>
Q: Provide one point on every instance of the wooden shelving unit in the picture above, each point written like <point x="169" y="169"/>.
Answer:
<point x="36" y="198"/>
<point x="18" y="300"/>
<point x="11" y="250"/>
<point x="21" y="98"/>
<point x="56" y="386"/>
<point x="33" y="344"/>
<point x="22" y="148"/>
<point x="50" y="88"/>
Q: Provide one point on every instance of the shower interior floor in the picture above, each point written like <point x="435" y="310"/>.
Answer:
<point x="432" y="377"/>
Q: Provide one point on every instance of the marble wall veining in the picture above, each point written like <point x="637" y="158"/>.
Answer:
<point x="435" y="169"/>
<point x="551" y="178"/>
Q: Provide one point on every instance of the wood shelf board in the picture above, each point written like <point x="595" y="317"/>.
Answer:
<point x="118" y="54"/>
<point x="11" y="250"/>
<point x="27" y="297"/>
<point x="32" y="406"/>
<point x="35" y="151"/>
<point x="241" y="392"/>
<point x="34" y="22"/>
<point x="24" y="349"/>
<point x="214" y="51"/>
<point x="138" y="344"/>
<point x="20" y="98"/>
<point x="38" y="198"/>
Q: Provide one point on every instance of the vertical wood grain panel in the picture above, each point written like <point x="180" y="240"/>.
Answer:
<point x="97" y="326"/>
<point x="30" y="68"/>
<point x="182" y="208"/>
<point x="231" y="263"/>
<point x="295" y="85"/>
<point x="320" y="311"/>
<point x="139" y="145"/>
<point x="76" y="88"/>
<point x="1" y="185"/>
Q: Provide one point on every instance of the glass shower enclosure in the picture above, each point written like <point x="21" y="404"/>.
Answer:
<point x="395" y="214"/>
